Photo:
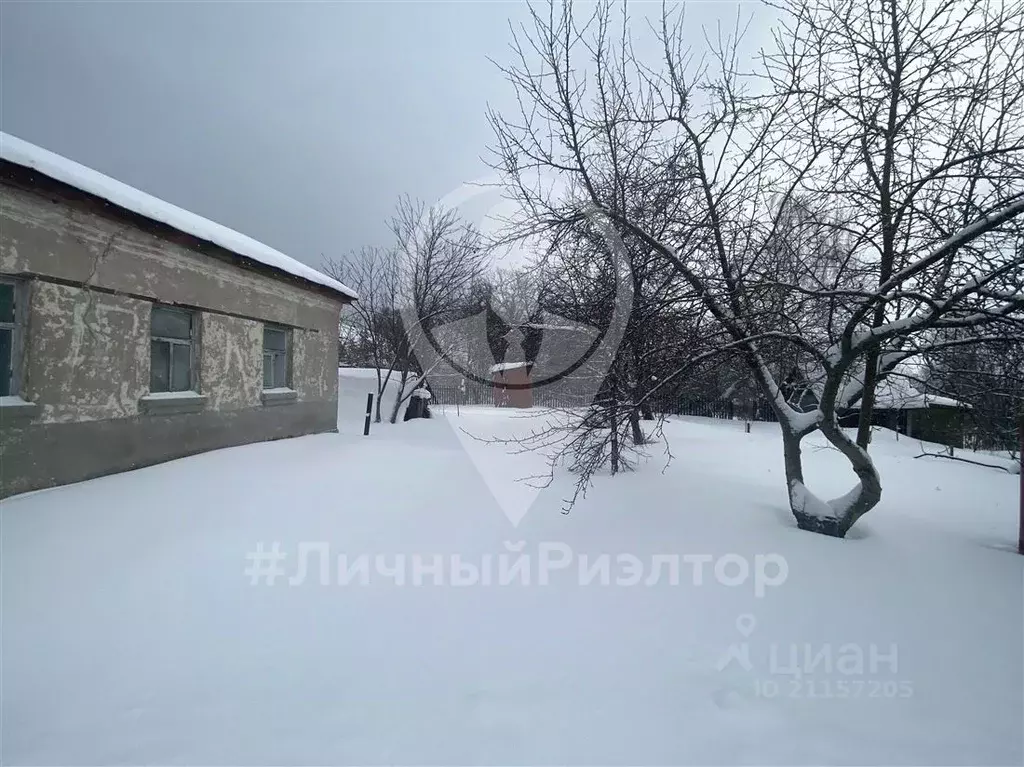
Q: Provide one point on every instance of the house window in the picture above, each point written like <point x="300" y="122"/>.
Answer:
<point x="10" y="338"/>
<point x="171" y="350"/>
<point x="276" y="367"/>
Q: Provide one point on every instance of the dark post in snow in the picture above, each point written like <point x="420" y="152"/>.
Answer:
<point x="369" y="410"/>
<point x="1020" y="528"/>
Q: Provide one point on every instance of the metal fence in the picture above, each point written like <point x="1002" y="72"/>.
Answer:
<point x="544" y="396"/>
<point x="453" y="395"/>
<point x="560" y="397"/>
<point x="725" y="409"/>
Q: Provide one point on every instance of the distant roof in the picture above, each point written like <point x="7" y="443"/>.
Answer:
<point x="566" y="328"/>
<point x="896" y="393"/>
<point x="19" y="152"/>
<point x="508" y="366"/>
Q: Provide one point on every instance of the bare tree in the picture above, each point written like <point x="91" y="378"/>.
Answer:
<point x="988" y="378"/>
<point x="918" y="109"/>
<point x="410" y="291"/>
<point x="441" y="259"/>
<point x="582" y="285"/>
<point x="734" y="157"/>
<point x="375" y="317"/>
<point x="514" y="293"/>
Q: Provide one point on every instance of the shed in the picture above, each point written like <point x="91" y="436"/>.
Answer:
<point x="512" y="384"/>
<point x="920" y="415"/>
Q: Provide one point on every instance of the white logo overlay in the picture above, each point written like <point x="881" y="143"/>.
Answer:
<point x="819" y="670"/>
<point x="571" y="355"/>
<point x="739" y="652"/>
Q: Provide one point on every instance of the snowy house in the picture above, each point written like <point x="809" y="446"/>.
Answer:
<point x="133" y="332"/>
<point x="902" y="403"/>
<point x="901" y="406"/>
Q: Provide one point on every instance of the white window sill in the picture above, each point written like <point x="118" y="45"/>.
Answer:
<point x="172" y="402"/>
<point x="279" y="396"/>
<point x="155" y="395"/>
<point x="13" y="407"/>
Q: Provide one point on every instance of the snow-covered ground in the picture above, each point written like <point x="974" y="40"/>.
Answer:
<point x="131" y="633"/>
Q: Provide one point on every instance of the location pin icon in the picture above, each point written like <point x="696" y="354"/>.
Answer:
<point x="745" y="624"/>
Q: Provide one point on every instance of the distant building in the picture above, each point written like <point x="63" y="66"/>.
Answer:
<point x="133" y="332"/>
<point x="899" y="404"/>
<point x="512" y="386"/>
<point x="906" y="410"/>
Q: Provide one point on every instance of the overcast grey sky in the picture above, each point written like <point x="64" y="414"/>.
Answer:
<point x="298" y="124"/>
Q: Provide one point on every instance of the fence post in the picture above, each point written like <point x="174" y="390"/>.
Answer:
<point x="369" y="410"/>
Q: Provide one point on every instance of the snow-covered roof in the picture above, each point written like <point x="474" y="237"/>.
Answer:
<point x="19" y="152"/>
<point x="501" y="366"/>
<point x="565" y="328"/>
<point x="896" y="392"/>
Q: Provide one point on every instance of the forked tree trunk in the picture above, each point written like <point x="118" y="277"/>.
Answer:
<point x="835" y="517"/>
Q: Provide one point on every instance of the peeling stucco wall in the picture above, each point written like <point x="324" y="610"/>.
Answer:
<point x="81" y="339"/>
<point x="91" y="278"/>
<point x="88" y="354"/>
<point x="231" y="361"/>
<point x="54" y="238"/>
<point x="315" y="360"/>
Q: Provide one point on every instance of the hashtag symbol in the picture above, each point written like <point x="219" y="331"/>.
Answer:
<point x="265" y="564"/>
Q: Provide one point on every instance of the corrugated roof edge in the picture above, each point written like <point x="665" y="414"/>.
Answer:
<point x="21" y="152"/>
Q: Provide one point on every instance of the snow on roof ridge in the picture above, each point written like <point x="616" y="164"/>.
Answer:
<point x="550" y="326"/>
<point x="21" y="152"/>
<point x="502" y="366"/>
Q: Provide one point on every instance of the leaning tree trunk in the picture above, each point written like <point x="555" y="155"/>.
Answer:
<point x="835" y="517"/>
<point x="634" y="426"/>
<point x="381" y="386"/>
<point x="613" y="443"/>
<point x="867" y="400"/>
<point x="399" y="396"/>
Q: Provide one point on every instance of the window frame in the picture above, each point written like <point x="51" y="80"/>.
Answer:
<point x="192" y="343"/>
<point x="17" y="328"/>
<point x="286" y="353"/>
